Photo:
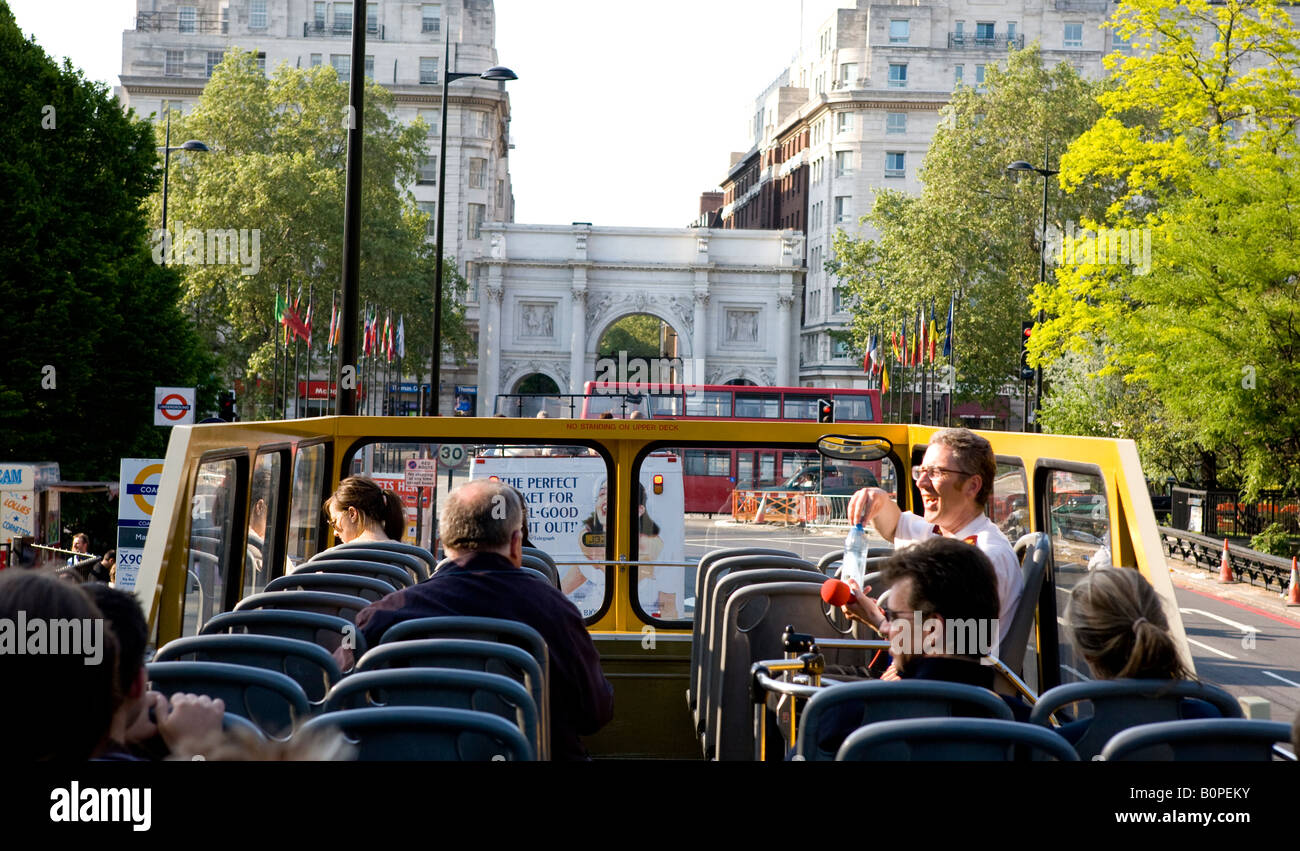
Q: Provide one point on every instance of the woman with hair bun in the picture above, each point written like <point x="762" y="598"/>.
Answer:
<point x="361" y="510"/>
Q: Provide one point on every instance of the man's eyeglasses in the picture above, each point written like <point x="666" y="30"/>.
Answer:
<point x="933" y="472"/>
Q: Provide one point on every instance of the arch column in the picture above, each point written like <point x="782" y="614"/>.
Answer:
<point x="490" y="343"/>
<point x="578" y="335"/>
<point x="784" y="305"/>
<point x="700" y="329"/>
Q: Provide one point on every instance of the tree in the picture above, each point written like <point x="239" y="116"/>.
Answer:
<point x="90" y="323"/>
<point x="1198" y="147"/>
<point x="973" y="230"/>
<point x="276" y="169"/>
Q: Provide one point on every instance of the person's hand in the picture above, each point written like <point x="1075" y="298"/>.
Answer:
<point x="865" y="503"/>
<point x="188" y="721"/>
<point x="344" y="656"/>
<point x="144" y="728"/>
<point x="890" y="674"/>
<point x="863" y="608"/>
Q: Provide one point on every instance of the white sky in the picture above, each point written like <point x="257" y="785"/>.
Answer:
<point x="624" y="111"/>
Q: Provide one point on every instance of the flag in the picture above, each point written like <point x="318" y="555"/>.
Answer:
<point x="906" y="355"/>
<point x="307" y="321"/>
<point x="934" y="336"/>
<point x="288" y="317"/>
<point x="896" y="346"/>
<point x="919" y="357"/>
<point x="401" y="337"/>
<point x="947" y="339"/>
<point x="365" y="336"/>
<point x="390" y="347"/>
<point x="884" y="378"/>
<point x="333" y="338"/>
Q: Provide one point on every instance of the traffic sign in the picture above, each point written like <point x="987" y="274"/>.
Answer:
<point x="451" y="455"/>
<point x="422" y="473"/>
<point x="173" y="406"/>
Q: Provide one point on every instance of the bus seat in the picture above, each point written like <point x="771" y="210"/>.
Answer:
<point x="518" y="634"/>
<point x="548" y="569"/>
<point x="1199" y="740"/>
<point x="712" y="637"/>
<point x="828" y="563"/>
<point x="951" y="740"/>
<point x="1120" y="704"/>
<point x="847" y="706"/>
<point x="327" y="631"/>
<point x="536" y="574"/>
<point x="444" y="687"/>
<point x="341" y="605"/>
<point x="466" y="654"/>
<point x="365" y="587"/>
<point x="1035" y="553"/>
<point x="269" y="699"/>
<point x="416" y="566"/>
<point x="308" y="665"/>
<point x="423" y="733"/>
<point x="540" y="553"/>
<point x="397" y="547"/>
<point x="753" y="624"/>
<point x="756" y="556"/>
<point x="394" y="575"/>
<point x="230" y="722"/>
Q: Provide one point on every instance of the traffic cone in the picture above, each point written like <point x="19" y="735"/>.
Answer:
<point x="1293" y="594"/>
<point x="762" y="510"/>
<point x="1225" y="570"/>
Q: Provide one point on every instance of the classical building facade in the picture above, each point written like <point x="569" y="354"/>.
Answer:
<point x="169" y="56"/>
<point x="855" y="112"/>
<point x="549" y="293"/>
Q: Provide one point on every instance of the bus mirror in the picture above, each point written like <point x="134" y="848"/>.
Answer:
<point x="843" y="448"/>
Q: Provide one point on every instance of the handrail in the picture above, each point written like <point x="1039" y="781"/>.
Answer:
<point x="1204" y="551"/>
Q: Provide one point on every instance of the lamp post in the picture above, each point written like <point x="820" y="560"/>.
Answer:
<point x="1045" y="173"/>
<point x="191" y="145"/>
<point x="497" y="73"/>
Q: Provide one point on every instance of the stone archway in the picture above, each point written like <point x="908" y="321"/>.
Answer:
<point x="637" y="345"/>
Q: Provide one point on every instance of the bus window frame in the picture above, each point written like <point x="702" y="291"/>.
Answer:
<point x="322" y="529"/>
<point x="634" y="541"/>
<point x="276" y="540"/>
<point x="348" y="454"/>
<point x="231" y="593"/>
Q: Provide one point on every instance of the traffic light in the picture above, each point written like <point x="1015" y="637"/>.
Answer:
<point x="1026" y="371"/>
<point x="226" y="406"/>
<point x="825" y="411"/>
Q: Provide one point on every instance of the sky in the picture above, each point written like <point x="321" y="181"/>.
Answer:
<point x="623" y="113"/>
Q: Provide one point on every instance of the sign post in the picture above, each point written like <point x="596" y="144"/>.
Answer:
<point x="139" y="478"/>
<point x="173" y="406"/>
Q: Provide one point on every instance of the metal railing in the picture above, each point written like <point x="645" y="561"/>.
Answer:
<point x="1207" y="552"/>
<point x="996" y="40"/>
<point x="171" y="22"/>
<point x="315" y="29"/>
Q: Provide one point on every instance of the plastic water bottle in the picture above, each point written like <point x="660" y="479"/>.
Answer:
<point x="855" y="555"/>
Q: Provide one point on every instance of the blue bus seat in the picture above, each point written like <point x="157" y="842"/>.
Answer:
<point x="328" y="631"/>
<point x="344" y="606"/>
<point x="308" y="665"/>
<point x="365" y="587"/>
<point x="269" y="699"/>
<point x="422" y="733"/>
<point x="1199" y="740"/>
<point x="398" y="577"/>
<point x="951" y="740"/>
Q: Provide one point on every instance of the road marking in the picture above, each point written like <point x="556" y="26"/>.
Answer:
<point x="1252" y="609"/>
<point x="1211" y="649"/>
<point x="1241" y="626"/>
<point x="1283" y="679"/>
<point x="1079" y="674"/>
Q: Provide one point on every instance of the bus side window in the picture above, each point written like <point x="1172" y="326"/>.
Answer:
<point x="305" y="519"/>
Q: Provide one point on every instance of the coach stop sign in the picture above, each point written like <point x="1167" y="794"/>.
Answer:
<point x="173" y="406"/>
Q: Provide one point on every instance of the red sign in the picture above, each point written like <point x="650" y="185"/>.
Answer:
<point x="173" y="406"/>
<point x="317" y="389"/>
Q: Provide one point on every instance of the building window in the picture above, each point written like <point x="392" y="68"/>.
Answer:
<point x="843" y="163"/>
<point x="979" y="75"/>
<point x="430" y="18"/>
<point x="261" y="62"/>
<point x="176" y="106"/>
<point x="501" y="193"/>
<point x="172" y="62"/>
<point x="427" y="172"/>
<point x="815" y="216"/>
<point x="315" y="59"/>
<point x="372" y="17"/>
<point x="318" y="15"/>
<point x="848" y="73"/>
<point x="433" y="119"/>
<point x="843" y="122"/>
<point x="1011" y="33"/>
<point x="342" y="17"/>
<point x="475" y="285"/>
<point x="474" y="227"/>
<point x="984" y="32"/>
<point x="214" y="59"/>
<point x="898" y="76"/>
<point x="1074" y="35"/>
<point x="894" y="166"/>
<point x="432" y="209"/>
<point x="899" y="32"/>
<point x="428" y="70"/>
<point x="1118" y="42"/>
<point x="478" y="124"/>
<point x="370" y="67"/>
<point x="188" y="17"/>
<point x="842" y="208"/>
<point x="477" y="172"/>
<point x="958" y="71"/>
<point x="817" y="171"/>
<point x="959" y="33"/>
<point x="342" y="63"/>
<point x="257" y="14"/>
<point x="896" y="122"/>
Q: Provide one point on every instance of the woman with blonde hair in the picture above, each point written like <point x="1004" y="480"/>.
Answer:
<point x="1119" y="626"/>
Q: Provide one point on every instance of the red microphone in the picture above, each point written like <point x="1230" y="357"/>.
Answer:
<point x="836" y="593"/>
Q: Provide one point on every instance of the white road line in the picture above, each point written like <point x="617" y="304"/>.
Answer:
<point x="1241" y="626"/>
<point x="1283" y="679"/>
<point x="1080" y="674"/>
<point x="1211" y="649"/>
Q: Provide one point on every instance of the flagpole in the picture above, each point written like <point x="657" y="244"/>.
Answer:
<point x="275" y="365"/>
<point x="284" y="374"/>
<point x="310" y="286"/>
<point x="297" y="362"/>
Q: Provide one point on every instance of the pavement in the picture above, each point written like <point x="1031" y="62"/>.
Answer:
<point x="1188" y="575"/>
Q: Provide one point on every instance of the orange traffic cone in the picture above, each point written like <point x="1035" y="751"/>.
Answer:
<point x="1225" y="569"/>
<point x="1293" y="594"/>
<point x="762" y="511"/>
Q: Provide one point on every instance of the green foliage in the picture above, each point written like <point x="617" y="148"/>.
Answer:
<point x="1274" y="540"/>
<point x="974" y="229"/>
<point x="277" y="160"/>
<point x="1198" y="148"/>
<point x="637" y="334"/>
<point x="90" y="324"/>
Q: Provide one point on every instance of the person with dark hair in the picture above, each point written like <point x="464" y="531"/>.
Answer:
<point x="480" y="529"/>
<point x="360" y="510"/>
<point x="185" y="723"/>
<point x="106" y="569"/>
<point x="61" y="689"/>
<point x="955" y="479"/>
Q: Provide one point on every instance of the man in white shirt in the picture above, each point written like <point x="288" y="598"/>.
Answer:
<point x="955" y="479"/>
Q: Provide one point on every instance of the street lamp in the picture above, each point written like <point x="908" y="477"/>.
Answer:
<point x="497" y="73"/>
<point x="1045" y="173"/>
<point x="191" y="145"/>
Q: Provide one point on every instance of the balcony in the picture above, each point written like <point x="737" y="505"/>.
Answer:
<point x="318" y="29"/>
<point x="1096" y="6"/>
<point x="172" y="22"/>
<point x="996" y="41"/>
